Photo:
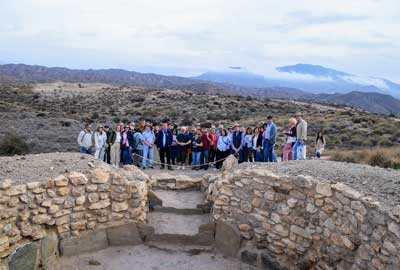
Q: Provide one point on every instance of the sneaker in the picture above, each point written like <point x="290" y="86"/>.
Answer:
<point x="170" y="168"/>
<point x="183" y="167"/>
<point x="162" y="167"/>
<point x="143" y="168"/>
<point x="151" y="167"/>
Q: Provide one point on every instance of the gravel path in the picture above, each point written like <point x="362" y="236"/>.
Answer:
<point x="382" y="184"/>
<point x="31" y="168"/>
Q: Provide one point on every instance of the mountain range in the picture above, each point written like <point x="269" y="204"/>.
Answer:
<point x="321" y="85"/>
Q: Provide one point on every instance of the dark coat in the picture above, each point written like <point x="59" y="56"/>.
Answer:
<point x="168" y="139"/>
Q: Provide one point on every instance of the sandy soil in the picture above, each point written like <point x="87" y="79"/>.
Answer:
<point x="146" y="258"/>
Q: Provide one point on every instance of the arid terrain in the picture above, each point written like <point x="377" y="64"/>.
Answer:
<point x="49" y="116"/>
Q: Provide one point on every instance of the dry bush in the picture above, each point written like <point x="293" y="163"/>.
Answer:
<point x="381" y="157"/>
<point x="11" y="144"/>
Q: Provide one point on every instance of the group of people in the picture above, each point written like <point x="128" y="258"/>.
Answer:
<point x="197" y="146"/>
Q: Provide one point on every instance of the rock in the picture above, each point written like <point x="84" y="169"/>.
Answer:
<point x="119" y="206"/>
<point x="270" y="263"/>
<point x="93" y="197"/>
<point x="227" y="238"/>
<point x="229" y="164"/>
<point x="123" y="235"/>
<point x="48" y="249"/>
<point x="100" y="176"/>
<point x="300" y="231"/>
<point x="324" y="189"/>
<point x="249" y="257"/>
<point x="32" y="185"/>
<point x="77" y="178"/>
<point x="41" y="219"/>
<point x="80" y="200"/>
<point x="24" y="258"/>
<point x="291" y="202"/>
<point x="100" y="205"/>
<point x="4" y="243"/>
<point x="347" y="191"/>
<point x="61" y="181"/>
<point x="395" y="213"/>
<point x="187" y="182"/>
<point x="394" y="228"/>
<point x="86" y="242"/>
<point x="6" y="184"/>
<point x="153" y="199"/>
<point x="16" y="190"/>
<point x="62" y="191"/>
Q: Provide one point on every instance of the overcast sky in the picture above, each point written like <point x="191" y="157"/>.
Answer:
<point x="187" y="37"/>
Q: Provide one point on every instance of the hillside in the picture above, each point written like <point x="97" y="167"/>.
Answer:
<point x="49" y="116"/>
<point x="233" y="83"/>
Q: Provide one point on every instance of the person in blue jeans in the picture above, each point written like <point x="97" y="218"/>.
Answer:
<point x="148" y="146"/>
<point x="197" y="146"/>
<point x="127" y="142"/>
<point x="269" y="140"/>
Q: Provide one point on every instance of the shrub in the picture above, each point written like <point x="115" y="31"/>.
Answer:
<point x="11" y="144"/>
<point x="379" y="159"/>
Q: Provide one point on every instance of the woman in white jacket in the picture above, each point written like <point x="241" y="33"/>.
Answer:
<point x="100" y="140"/>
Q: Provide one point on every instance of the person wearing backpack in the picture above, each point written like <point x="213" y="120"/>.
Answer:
<point x="138" y="148"/>
<point x="85" y="140"/>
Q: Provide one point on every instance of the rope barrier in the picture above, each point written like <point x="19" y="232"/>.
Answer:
<point x="178" y="166"/>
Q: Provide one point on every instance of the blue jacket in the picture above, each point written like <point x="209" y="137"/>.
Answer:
<point x="272" y="133"/>
<point x="168" y="139"/>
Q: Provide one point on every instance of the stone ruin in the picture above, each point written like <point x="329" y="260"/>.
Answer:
<point x="265" y="217"/>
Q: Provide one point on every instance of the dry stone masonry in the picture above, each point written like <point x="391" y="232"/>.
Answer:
<point x="34" y="216"/>
<point x="290" y="221"/>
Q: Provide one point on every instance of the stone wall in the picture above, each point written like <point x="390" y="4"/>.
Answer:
<point x="300" y="222"/>
<point x="69" y="205"/>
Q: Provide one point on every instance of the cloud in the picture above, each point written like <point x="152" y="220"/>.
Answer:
<point x="201" y="35"/>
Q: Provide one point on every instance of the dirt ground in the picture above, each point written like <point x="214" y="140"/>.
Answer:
<point x="146" y="258"/>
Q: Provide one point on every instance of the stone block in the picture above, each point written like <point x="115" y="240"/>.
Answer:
<point x="77" y="178"/>
<point x="86" y="242"/>
<point x="48" y="249"/>
<point x="127" y="234"/>
<point x="249" y="257"/>
<point x="145" y="231"/>
<point x="269" y="262"/>
<point x="61" y="181"/>
<point x="227" y="238"/>
<point x="24" y="258"/>
<point x="100" y="176"/>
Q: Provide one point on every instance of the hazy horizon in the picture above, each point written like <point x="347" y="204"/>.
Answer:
<point x="188" y="38"/>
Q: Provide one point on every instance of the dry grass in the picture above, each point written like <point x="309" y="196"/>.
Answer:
<point x="381" y="157"/>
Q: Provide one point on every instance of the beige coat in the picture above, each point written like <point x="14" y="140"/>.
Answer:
<point x="301" y="130"/>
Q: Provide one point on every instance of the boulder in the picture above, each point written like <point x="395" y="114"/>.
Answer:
<point x="24" y="258"/>
<point x="227" y="238"/>
<point x="86" y="242"/>
<point x="127" y="234"/>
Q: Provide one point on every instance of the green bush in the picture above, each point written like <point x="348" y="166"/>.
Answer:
<point x="11" y="144"/>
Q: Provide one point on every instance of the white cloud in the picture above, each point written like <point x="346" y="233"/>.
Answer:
<point x="203" y="34"/>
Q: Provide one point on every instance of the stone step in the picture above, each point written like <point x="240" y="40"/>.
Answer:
<point x="182" y="202"/>
<point x="173" y="248"/>
<point x="183" y="229"/>
<point x="175" y="181"/>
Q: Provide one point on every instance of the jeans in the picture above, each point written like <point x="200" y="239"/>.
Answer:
<point x="127" y="156"/>
<point x="174" y="152"/>
<point x="205" y="158"/>
<point x="258" y="155"/>
<point x="148" y="153"/>
<point x="196" y="159"/>
<point x="85" y="150"/>
<point x="99" y="154"/>
<point x="247" y="154"/>
<point x="299" y="151"/>
<point x="269" y="153"/>
<point x="181" y="156"/>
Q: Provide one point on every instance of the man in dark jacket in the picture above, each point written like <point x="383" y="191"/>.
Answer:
<point x="164" y="141"/>
<point x="110" y="137"/>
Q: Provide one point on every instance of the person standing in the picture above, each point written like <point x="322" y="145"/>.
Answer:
<point x="138" y="139"/>
<point x="291" y="140"/>
<point x="320" y="143"/>
<point x="257" y="145"/>
<point x="164" y="141"/>
<point x="148" y="143"/>
<point x="127" y="141"/>
<point x="100" y="141"/>
<point x="269" y="140"/>
<point x="223" y="150"/>
<point x="213" y="146"/>
<point x="115" y="146"/>
<point x="109" y="133"/>
<point x="237" y="142"/>
<point x="183" y="142"/>
<point x="300" y="148"/>
<point x="85" y="140"/>
<point x="206" y="140"/>
<point x="197" y="146"/>
<point x="174" y="146"/>
<point x="248" y="145"/>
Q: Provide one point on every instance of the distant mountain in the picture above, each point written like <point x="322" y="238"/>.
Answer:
<point x="310" y="78"/>
<point x="372" y="102"/>
<point x="235" y="82"/>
